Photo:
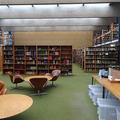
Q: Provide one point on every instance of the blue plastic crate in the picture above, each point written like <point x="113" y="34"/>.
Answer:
<point x="106" y="113"/>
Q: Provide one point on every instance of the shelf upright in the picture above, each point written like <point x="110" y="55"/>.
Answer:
<point x="66" y="58"/>
<point x="1" y="50"/>
<point x="8" y="51"/>
<point x="31" y="60"/>
<point x="54" y="58"/>
<point x="42" y="55"/>
<point x="19" y="55"/>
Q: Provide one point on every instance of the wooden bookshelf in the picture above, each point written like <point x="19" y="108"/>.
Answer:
<point x="103" y="54"/>
<point x="42" y="59"/>
<point x="38" y="59"/>
<point x="31" y="59"/>
<point x="79" y="57"/>
<point x="54" y="58"/>
<point x="97" y="58"/>
<point x="8" y="51"/>
<point x="66" y="60"/>
<point x="106" y="35"/>
<point x="19" y="64"/>
<point x="1" y="43"/>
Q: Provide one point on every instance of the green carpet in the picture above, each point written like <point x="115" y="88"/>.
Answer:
<point x="69" y="100"/>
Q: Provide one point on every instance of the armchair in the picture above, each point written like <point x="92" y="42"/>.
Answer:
<point x="15" y="78"/>
<point x="55" y="74"/>
<point x="38" y="84"/>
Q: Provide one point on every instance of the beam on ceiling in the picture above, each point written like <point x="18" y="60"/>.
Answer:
<point x="56" y="22"/>
<point x="57" y="28"/>
<point x="59" y="12"/>
<point x="17" y="2"/>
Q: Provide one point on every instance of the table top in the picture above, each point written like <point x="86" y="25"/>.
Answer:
<point x="38" y="76"/>
<point x="113" y="87"/>
<point x="13" y="104"/>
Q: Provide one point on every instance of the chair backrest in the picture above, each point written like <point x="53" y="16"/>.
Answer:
<point x="1" y="85"/>
<point x="3" y="91"/>
<point x="38" y="83"/>
<point x="54" y="78"/>
<point x="18" y="78"/>
<point x="10" y="75"/>
<point x="56" y="72"/>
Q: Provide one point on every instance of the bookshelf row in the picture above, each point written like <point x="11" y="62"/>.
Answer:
<point x="100" y="58"/>
<point x="78" y="56"/>
<point x="6" y="38"/>
<point x="37" y="59"/>
<point x="110" y="34"/>
<point x="96" y="58"/>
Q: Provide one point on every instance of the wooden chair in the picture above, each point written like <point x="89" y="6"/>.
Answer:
<point x="38" y="84"/>
<point x="2" y="89"/>
<point x="15" y="78"/>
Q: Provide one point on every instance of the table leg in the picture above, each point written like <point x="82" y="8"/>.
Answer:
<point x="103" y="94"/>
<point x="92" y="80"/>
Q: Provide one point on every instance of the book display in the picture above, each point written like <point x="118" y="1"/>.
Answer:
<point x="19" y="54"/>
<point x="66" y="60"/>
<point x="79" y="57"/>
<point x="8" y="51"/>
<point x="107" y="35"/>
<point x="97" y="58"/>
<point x="42" y="60"/>
<point x="37" y="59"/>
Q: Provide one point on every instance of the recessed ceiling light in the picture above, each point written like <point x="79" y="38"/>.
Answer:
<point x="45" y="6"/>
<point x="71" y="5"/>
<point x="20" y="6"/>
<point x="97" y="5"/>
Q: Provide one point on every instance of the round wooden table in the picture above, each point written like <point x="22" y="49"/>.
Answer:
<point x="13" y="104"/>
<point x="38" y="76"/>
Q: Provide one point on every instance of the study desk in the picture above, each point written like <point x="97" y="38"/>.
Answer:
<point x="113" y="87"/>
<point x="38" y="76"/>
<point x="13" y="104"/>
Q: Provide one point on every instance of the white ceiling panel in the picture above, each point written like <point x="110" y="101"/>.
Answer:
<point x="57" y="22"/>
<point x="59" y="12"/>
<point x="55" y="28"/>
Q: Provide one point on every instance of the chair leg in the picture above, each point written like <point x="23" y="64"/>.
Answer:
<point x="16" y="86"/>
<point x="39" y="93"/>
<point x="52" y="83"/>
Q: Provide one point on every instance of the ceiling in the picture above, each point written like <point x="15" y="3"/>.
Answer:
<point x="54" y="1"/>
<point x="50" y="15"/>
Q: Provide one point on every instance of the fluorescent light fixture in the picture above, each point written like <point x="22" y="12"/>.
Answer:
<point x="45" y="6"/>
<point x="3" y="6"/>
<point x="70" y="5"/>
<point x="19" y="6"/>
<point x="98" y="5"/>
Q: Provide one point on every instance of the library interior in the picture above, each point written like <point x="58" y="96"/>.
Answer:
<point x="60" y="59"/>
